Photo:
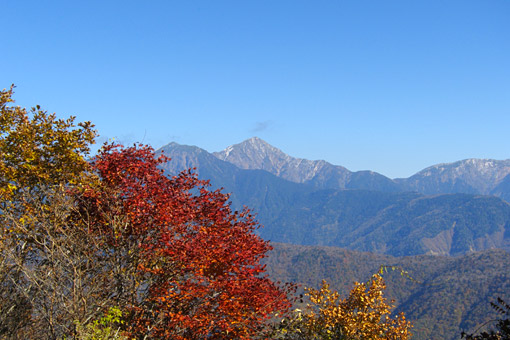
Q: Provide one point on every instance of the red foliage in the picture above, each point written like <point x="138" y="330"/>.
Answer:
<point x="200" y="265"/>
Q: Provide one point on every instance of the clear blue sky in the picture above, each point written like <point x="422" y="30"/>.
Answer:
<point x="390" y="86"/>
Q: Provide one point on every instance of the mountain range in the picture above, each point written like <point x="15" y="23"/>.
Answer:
<point x="470" y="176"/>
<point x="316" y="203"/>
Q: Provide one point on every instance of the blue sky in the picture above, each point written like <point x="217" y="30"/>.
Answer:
<point x="390" y="86"/>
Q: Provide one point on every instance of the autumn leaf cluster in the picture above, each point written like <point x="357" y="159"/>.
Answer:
<point x="38" y="148"/>
<point x="363" y="314"/>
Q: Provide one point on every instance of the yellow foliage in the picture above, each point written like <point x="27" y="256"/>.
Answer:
<point x="363" y="315"/>
<point x="37" y="148"/>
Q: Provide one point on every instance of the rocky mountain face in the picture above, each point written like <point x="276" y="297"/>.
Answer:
<point x="255" y="153"/>
<point x="476" y="176"/>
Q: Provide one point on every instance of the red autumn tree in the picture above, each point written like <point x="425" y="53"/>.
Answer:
<point x="189" y="265"/>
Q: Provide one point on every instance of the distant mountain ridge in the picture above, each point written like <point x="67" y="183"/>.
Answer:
<point x="470" y="176"/>
<point x="255" y="153"/>
<point x="473" y="176"/>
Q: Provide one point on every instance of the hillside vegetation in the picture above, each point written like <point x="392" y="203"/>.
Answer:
<point x="440" y="295"/>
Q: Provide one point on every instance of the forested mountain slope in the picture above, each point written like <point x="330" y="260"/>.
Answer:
<point x="441" y="295"/>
